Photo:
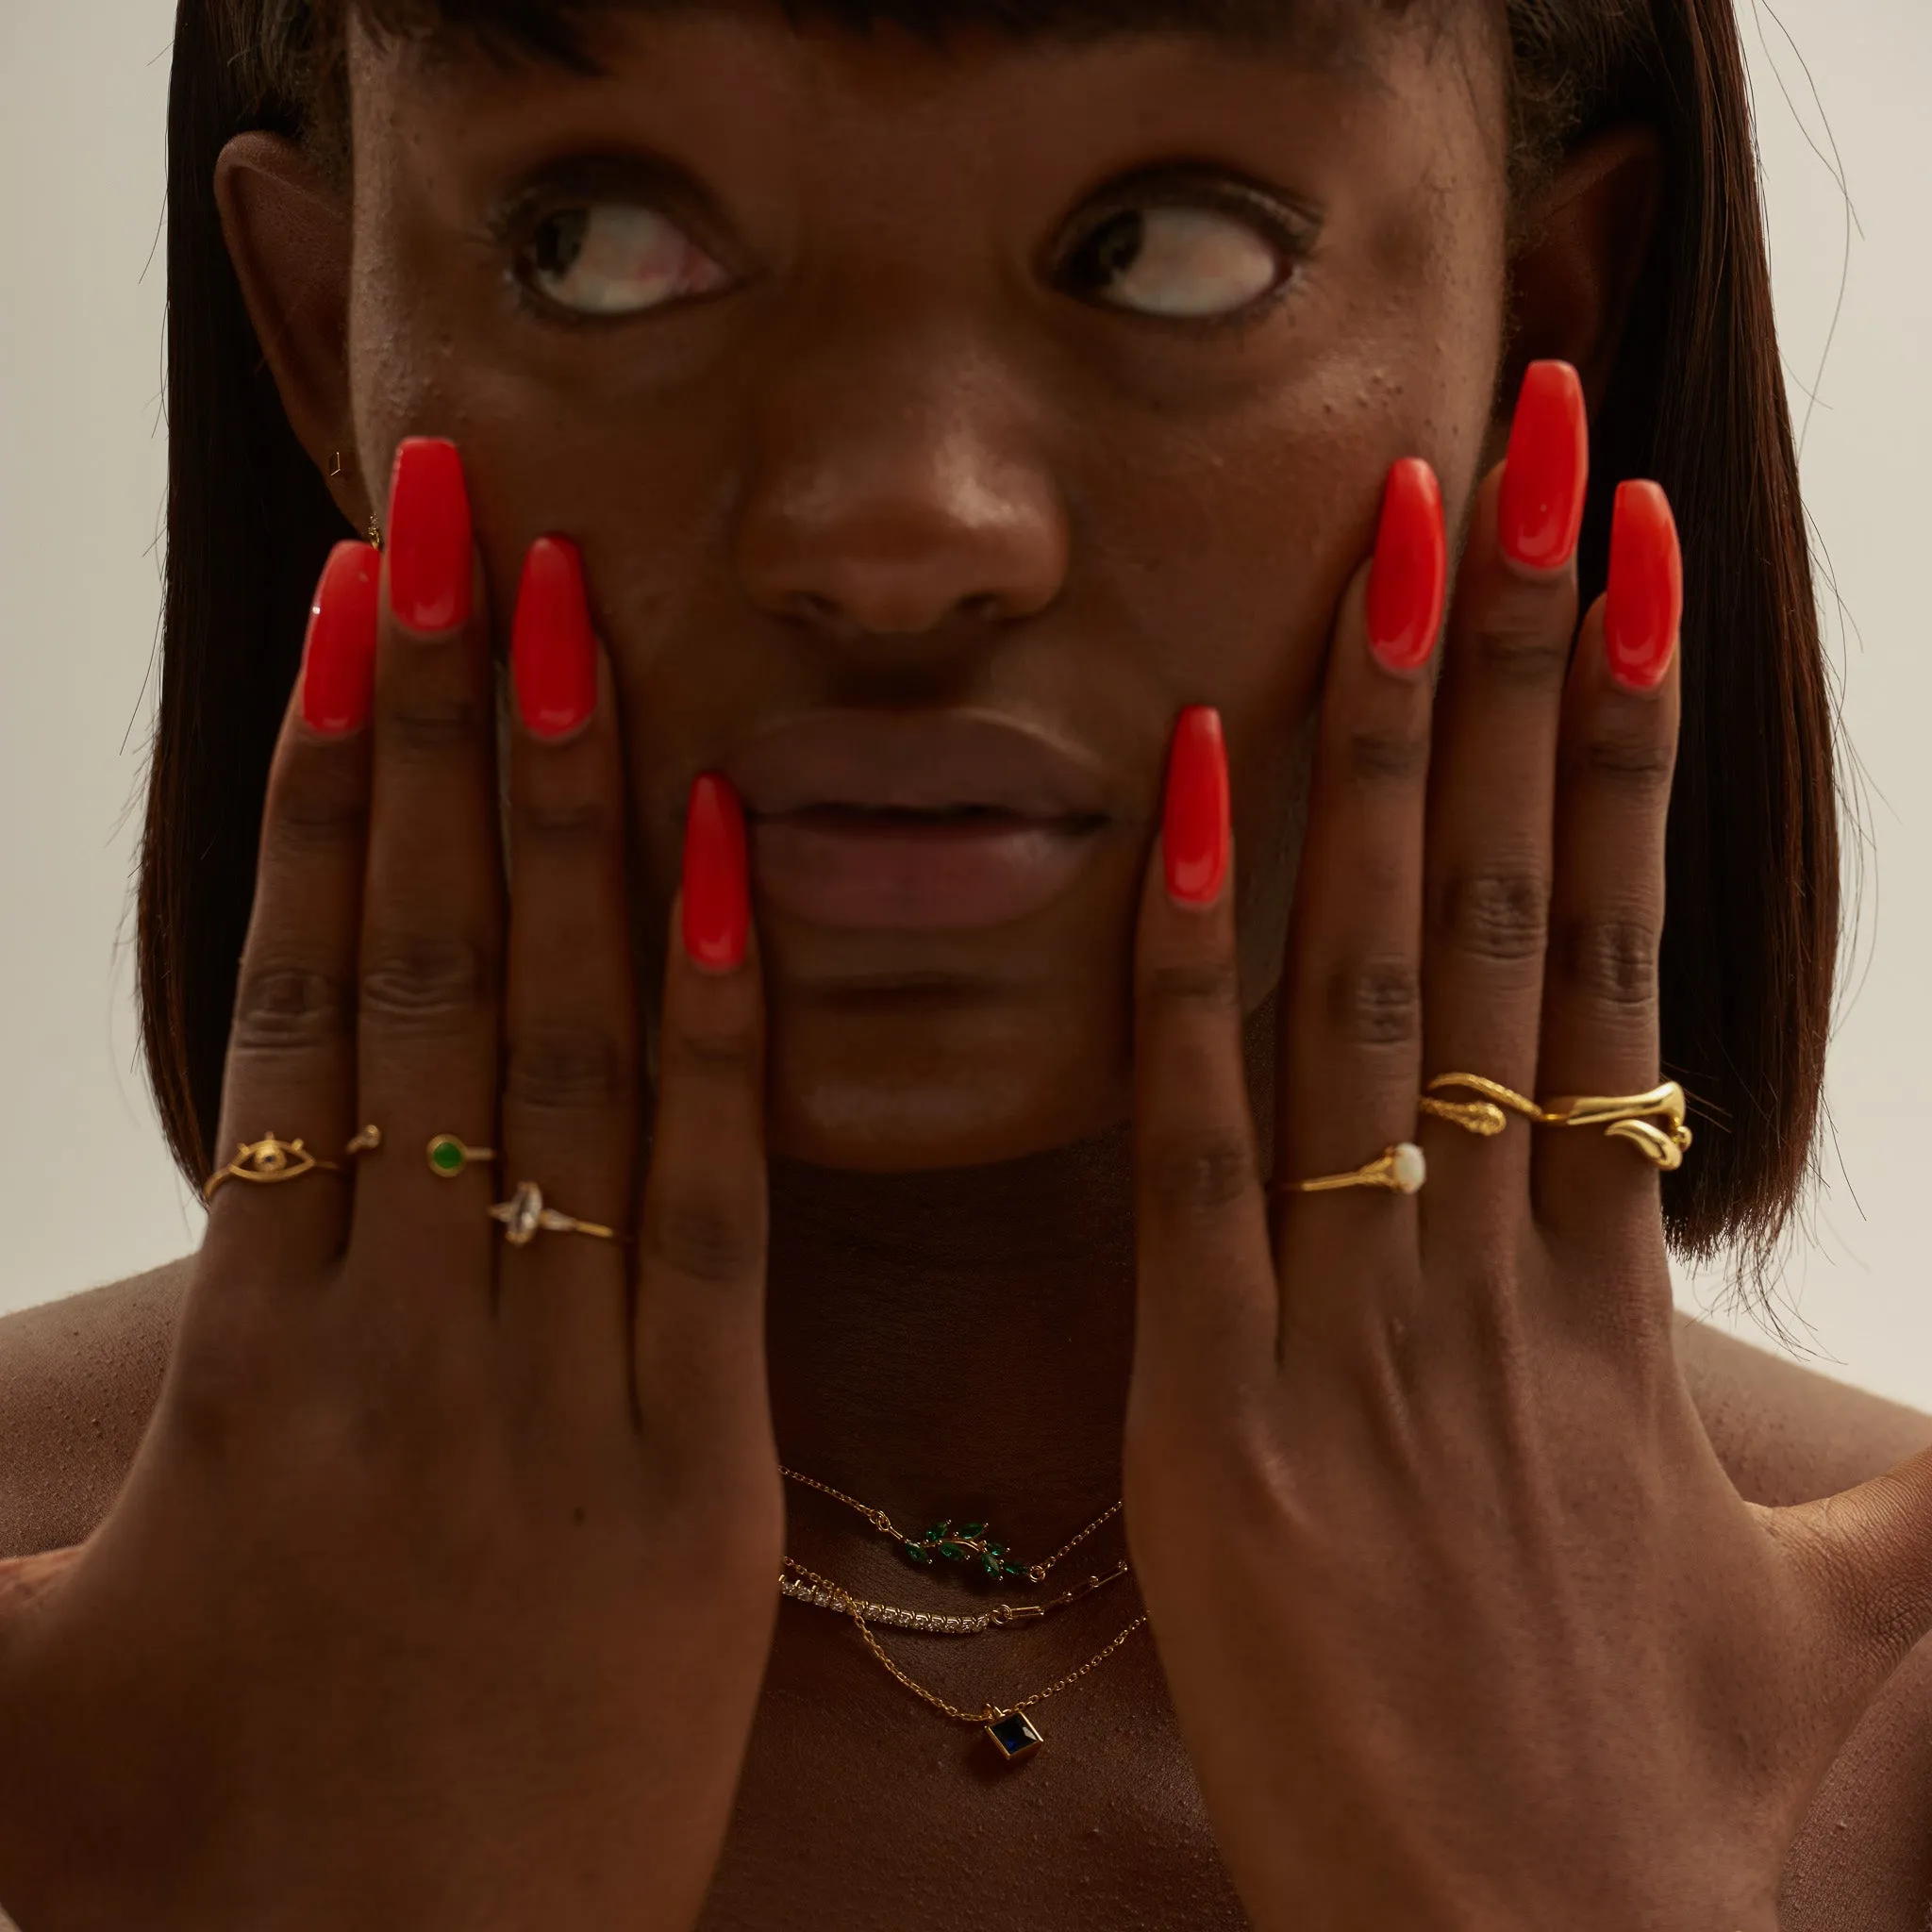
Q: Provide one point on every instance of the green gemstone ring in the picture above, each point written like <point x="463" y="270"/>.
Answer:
<point x="449" y="1157"/>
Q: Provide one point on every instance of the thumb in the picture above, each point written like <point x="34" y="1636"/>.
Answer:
<point x="1869" y="1549"/>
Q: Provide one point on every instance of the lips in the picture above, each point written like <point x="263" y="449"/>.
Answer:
<point x="916" y="821"/>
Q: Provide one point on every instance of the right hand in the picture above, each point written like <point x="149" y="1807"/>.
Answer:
<point x="441" y="1593"/>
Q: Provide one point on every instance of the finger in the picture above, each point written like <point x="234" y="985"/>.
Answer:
<point x="700" y="1363"/>
<point x="292" y="1054"/>
<point x="1207" y="1301"/>
<point x="1619" y="748"/>
<point x="1492" y="788"/>
<point x="1351" y="1004"/>
<point x="432" y="914"/>
<point x="570" y="1087"/>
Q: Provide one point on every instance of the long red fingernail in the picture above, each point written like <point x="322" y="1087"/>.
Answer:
<point x="717" y="896"/>
<point x="339" y="659"/>
<point x="1645" y="611"/>
<point x="552" y="654"/>
<point x="1547" y="476"/>
<point x="1194" y="835"/>
<point x="1409" y="586"/>
<point x="429" y="537"/>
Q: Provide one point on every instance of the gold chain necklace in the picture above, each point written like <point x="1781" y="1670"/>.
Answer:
<point x="1012" y="1731"/>
<point x="956" y="1545"/>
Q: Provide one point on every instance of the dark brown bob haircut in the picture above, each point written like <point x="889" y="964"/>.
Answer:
<point x="1697" y="401"/>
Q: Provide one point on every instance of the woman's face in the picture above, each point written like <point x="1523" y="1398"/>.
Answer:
<point x="936" y="421"/>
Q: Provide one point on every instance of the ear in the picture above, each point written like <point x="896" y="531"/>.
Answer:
<point x="288" y="235"/>
<point x="1585" y="243"/>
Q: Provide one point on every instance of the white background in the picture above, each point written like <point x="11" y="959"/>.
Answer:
<point x="87" y="1193"/>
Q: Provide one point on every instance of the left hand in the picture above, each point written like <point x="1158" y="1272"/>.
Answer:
<point x="1464" y="1624"/>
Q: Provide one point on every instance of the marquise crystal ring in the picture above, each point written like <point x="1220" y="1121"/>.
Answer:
<point x="266" y="1164"/>
<point x="524" y="1217"/>
<point x="1400" y="1169"/>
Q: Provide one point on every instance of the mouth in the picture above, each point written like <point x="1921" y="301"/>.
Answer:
<point x="932" y="822"/>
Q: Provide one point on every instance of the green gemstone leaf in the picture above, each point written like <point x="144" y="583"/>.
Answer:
<point x="938" y="1530"/>
<point x="917" y="1553"/>
<point x="973" y="1529"/>
<point x="953" y="1552"/>
<point x="990" y="1565"/>
<point x="1013" y="1570"/>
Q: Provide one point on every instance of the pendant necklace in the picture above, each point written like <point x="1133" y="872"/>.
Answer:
<point x="1012" y="1732"/>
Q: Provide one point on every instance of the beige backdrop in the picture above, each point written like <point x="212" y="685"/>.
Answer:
<point x="86" y="1191"/>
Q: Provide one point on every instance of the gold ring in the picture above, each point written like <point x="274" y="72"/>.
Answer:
<point x="1486" y="1116"/>
<point x="267" y="1163"/>
<point x="1400" y="1169"/>
<point x="524" y="1217"/>
<point x="449" y="1157"/>
<point x="1632" y="1117"/>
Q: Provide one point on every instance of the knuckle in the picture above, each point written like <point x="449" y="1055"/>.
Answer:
<point x="709" y="1241"/>
<point x="280" y="1007"/>
<point x="1496" y="913"/>
<point x="1201" y="1174"/>
<point x="1205" y="986"/>
<point x="1384" y="757"/>
<point x="561" y="1070"/>
<point x="1377" y="1002"/>
<point x="428" y="730"/>
<point x="318" y="809"/>
<point x="721" y="1056"/>
<point x="564" y="824"/>
<point x="1519" y="642"/>
<point x="1639" y="765"/>
<point x="1608" y="960"/>
<point x="428" y="983"/>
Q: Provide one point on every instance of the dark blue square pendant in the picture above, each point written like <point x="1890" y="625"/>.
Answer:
<point x="1015" y="1736"/>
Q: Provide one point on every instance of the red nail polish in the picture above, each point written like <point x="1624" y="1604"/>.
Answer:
<point x="717" y="896"/>
<point x="338" y="661"/>
<point x="429" y="537"/>
<point x="552" y="654"/>
<point x="1645" y="610"/>
<point x="1195" y="836"/>
<point x="1547" y="476"/>
<point x="1409" y="586"/>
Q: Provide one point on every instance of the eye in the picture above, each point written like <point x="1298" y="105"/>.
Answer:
<point x="1174" y="261"/>
<point x="611" y="257"/>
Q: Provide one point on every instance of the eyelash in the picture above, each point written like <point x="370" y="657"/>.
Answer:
<point x="1290" y="232"/>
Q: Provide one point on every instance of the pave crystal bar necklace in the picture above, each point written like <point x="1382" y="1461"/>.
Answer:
<point x="1012" y="1731"/>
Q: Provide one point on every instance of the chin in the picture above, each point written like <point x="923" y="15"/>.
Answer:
<point x="903" y="1092"/>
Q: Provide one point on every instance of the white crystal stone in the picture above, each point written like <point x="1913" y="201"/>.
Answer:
<point x="1411" y="1168"/>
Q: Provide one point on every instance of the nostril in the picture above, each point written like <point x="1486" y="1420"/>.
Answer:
<point x="983" y="609"/>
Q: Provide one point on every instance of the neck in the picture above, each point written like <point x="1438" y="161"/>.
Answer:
<point x="957" y="1345"/>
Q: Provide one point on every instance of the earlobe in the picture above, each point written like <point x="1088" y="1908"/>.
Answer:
<point x="1585" y="241"/>
<point x="288" y="236"/>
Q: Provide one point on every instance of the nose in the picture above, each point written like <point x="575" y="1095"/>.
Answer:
<point x="894" y="495"/>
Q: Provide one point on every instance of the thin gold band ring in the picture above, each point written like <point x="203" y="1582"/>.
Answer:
<point x="267" y="1164"/>
<point x="1399" y="1170"/>
<point x="524" y="1216"/>
<point x="1652" y="1123"/>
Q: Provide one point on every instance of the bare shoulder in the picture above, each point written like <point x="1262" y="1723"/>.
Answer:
<point x="78" y="1380"/>
<point x="1863" y="1862"/>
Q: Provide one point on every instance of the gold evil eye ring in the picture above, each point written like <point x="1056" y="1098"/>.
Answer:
<point x="1400" y="1169"/>
<point x="267" y="1164"/>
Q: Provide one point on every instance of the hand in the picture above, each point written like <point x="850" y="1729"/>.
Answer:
<point x="441" y="1589"/>
<point x="1465" y="1625"/>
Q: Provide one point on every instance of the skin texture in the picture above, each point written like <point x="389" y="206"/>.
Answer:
<point x="897" y="467"/>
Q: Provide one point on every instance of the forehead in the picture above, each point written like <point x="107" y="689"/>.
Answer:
<point x="570" y="31"/>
